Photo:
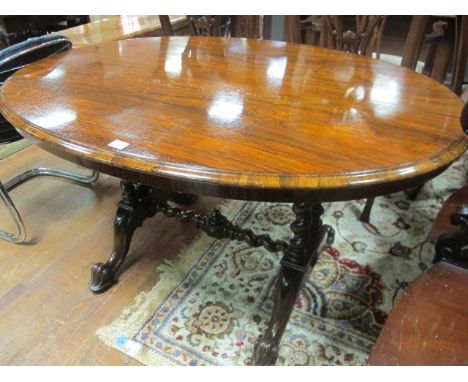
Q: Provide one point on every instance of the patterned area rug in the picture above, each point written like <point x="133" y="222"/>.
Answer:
<point x="212" y="303"/>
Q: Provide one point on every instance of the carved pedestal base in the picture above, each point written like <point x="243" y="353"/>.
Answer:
<point x="138" y="203"/>
<point x="310" y="236"/>
<point x="300" y="255"/>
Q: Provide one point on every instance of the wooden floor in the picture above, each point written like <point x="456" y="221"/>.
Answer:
<point x="47" y="314"/>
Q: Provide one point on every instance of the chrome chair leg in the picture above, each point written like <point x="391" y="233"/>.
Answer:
<point x="19" y="179"/>
<point x="43" y="171"/>
<point x="16" y="217"/>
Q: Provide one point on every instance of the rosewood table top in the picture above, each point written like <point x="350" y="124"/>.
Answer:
<point x="237" y="118"/>
<point x="240" y="118"/>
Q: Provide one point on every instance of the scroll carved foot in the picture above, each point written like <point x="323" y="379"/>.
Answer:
<point x="102" y="278"/>
<point x="265" y="351"/>
<point x="310" y="237"/>
<point x="137" y="204"/>
<point x="289" y="283"/>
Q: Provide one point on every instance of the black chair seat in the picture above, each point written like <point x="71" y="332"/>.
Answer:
<point x="22" y="54"/>
<point x="12" y="59"/>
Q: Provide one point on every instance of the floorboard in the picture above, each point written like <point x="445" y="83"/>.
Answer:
<point x="47" y="314"/>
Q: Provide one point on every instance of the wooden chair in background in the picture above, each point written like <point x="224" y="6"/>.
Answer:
<point x="251" y="26"/>
<point x="331" y="32"/>
<point x="256" y="26"/>
<point x="460" y="54"/>
<point x="166" y="26"/>
<point x="199" y="26"/>
<point x="364" y="40"/>
<point x="437" y="62"/>
<point x="436" y="66"/>
<point x="428" y="323"/>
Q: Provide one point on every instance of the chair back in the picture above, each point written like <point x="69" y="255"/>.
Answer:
<point x="20" y="55"/>
<point x="24" y="53"/>
<point x="166" y="26"/>
<point x="364" y="40"/>
<point x="440" y="59"/>
<point x="218" y="26"/>
<point x="331" y="32"/>
<point x="209" y="25"/>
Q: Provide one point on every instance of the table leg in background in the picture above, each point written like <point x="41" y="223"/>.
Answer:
<point x="310" y="237"/>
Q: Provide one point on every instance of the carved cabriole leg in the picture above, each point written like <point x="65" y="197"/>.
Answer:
<point x="310" y="236"/>
<point x="136" y="205"/>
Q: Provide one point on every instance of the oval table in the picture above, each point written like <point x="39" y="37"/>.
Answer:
<point x="236" y="118"/>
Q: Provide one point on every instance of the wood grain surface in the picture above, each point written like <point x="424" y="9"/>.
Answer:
<point x="48" y="316"/>
<point x="240" y="118"/>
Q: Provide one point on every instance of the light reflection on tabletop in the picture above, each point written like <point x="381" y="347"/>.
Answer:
<point x="226" y="109"/>
<point x="202" y="101"/>
<point x="56" y="119"/>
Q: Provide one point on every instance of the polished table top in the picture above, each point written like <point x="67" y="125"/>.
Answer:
<point x="113" y="28"/>
<point x="256" y="119"/>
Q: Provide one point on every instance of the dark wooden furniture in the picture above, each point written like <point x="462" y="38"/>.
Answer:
<point x="438" y="70"/>
<point x="251" y="26"/>
<point x="428" y="324"/>
<point x="329" y="32"/>
<point x="166" y="26"/>
<point x="237" y="118"/>
<point x="14" y="29"/>
<point x="114" y="28"/>
<point x="292" y="29"/>
<point x="209" y="25"/>
<point x="364" y="37"/>
<point x="434" y="67"/>
<point x="452" y="240"/>
<point x="200" y="25"/>
<point x="228" y="26"/>
<point x="460" y="54"/>
<point x="442" y="224"/>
